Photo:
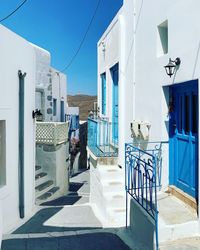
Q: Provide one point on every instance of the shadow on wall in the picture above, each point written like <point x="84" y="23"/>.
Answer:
<point x="83" y="145"/>
<point x="142" y="225"/>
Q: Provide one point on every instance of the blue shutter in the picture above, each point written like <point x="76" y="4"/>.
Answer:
<point x="103" y="86"/>
<point x="115" y="78"/>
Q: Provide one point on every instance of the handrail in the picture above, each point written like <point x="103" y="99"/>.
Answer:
<point x="100" y="140"/>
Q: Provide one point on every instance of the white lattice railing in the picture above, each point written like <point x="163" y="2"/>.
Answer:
<point x="51" y="133"/>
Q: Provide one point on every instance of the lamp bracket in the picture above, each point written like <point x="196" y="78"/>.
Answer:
<point x="177" y="61"/>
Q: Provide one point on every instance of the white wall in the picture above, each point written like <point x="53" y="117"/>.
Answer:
<point x="52" y="159"/>
<point x="59" y="91"/>
<point x="43" y="82"/>
<point x="50" y="84"/>
<point x="43" y="59"/>
<point x="108" y="56"/>
<point x="183" y="42"/>
<point x="16" y="54"/>
<point x="72" y="111"/>
<point x="132" y="40"/>
<point x="119" y="47"/>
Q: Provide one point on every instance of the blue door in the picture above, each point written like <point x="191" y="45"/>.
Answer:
<point x="183" y="131"/>
<point x="115" y="78"/>
<point x="103" y="86"/>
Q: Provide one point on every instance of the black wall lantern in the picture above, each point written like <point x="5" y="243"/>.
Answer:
<point x="37" y="114"/>
<point x="172" y="66"/>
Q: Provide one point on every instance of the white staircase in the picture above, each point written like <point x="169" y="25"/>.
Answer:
<point x="45" y="190"/>
<point x="108" y="193"/>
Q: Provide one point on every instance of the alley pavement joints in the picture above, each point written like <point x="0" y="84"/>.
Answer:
<point x="69" y="223"/>
<point x="65" y="223"/>
<point x="74" y="240"/>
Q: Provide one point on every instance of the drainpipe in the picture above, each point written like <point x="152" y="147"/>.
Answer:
<point x="21" y="143"/>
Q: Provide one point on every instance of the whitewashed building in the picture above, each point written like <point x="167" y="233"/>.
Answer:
<point x="17" y="129"/>
<point x="155" y="115"/>
<point x="52" y="146"/>
<point x="26" y="85"/>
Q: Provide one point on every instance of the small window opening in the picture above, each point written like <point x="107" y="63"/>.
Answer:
<point x="162" y="45"/>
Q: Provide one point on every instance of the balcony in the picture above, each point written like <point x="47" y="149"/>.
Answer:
<point x="100" y="138"/>
<point x="51" y="133"/>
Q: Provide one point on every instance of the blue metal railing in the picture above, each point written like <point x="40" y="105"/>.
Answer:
<point x="100" y="138"/>
<point x="143" y="177"/>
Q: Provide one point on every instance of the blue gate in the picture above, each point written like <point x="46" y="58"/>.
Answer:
<point x="143" y="177"/>
<point x="183" y="133"/>
<point x="115" y="78"/>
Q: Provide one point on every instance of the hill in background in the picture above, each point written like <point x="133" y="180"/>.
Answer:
<point x="84" y="102"/>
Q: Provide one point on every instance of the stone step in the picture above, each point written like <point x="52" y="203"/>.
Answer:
<point x="40" y="175"/>
<point x="110" y="172"/>
<point x="41" y="178"/>
<point x="117" y="216"/>
<point x="43" y="188"/>
<point x="38" y="169"/>
<point x="111" y="186"/>
<point x="115" y="200"/>
<point x="176" y="218"/>
<point x="175" y="232"/>
<point x="48" y="194"/>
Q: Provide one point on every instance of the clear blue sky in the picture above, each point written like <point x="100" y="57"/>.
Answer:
<point x="58" y="26"/>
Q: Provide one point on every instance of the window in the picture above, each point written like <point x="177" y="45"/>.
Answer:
<point x="2" y="153"/>
<point x="62" y="111"/>
<point x="162" y="45"/>
<point x="54" y="107"/>
<point x="103" y="92"/>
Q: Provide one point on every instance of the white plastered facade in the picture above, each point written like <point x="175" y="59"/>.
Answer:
<point x="133" y="41"/>
<point x="15" y="56"/>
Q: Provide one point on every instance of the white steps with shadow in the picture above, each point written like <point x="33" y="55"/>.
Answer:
<point x="45" y="189"/>
<point x="109" y="194"/>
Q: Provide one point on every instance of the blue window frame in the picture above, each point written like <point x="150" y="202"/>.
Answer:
<point x="115" y="78"/>
<point x="103" y="92"/>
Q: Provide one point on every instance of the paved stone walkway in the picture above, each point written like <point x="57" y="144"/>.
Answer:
<point x="183" y="244"/>
<point x="69" y="223"/>
<point x="95" y="241"/>
<point x="65" y="223"/>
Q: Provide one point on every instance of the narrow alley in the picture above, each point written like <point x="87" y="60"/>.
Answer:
<point x="65" y="223"/>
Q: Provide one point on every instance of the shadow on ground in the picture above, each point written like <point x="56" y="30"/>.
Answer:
<point x="75" y="186"/>
<point x="37" y="223"/>
<point x="70" y="199"/>
<point x="94" y="241"/>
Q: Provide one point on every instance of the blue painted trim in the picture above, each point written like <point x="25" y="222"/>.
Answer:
<point x="115" y="102"/>
<point x="103" y="93"/>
